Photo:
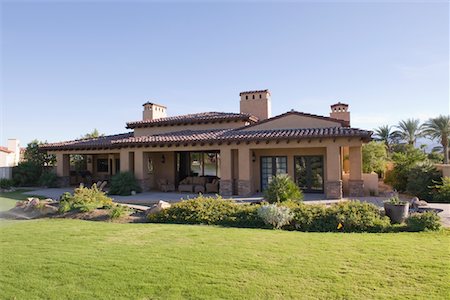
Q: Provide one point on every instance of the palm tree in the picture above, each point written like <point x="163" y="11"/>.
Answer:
<point x="439" y="129"/>
<point x="408" y="131"/>
<point x="384" y="134"/>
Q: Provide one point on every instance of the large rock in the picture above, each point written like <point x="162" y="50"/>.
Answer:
<point x="160" y="206"/>
<point x="416" y="203"/>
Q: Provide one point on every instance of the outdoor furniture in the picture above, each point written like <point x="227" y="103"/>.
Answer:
<point x="165" y="185"/>
<point x="186" y="185"/>
<point x="213" y="187"/>
<point x="199" y="189"/>
<point x="194" y="184"/>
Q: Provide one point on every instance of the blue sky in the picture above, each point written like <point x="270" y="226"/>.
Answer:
<point x="70" y="67"/>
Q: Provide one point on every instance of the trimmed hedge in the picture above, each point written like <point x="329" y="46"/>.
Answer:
<point x="354" y="216"/>
<point x="427" y="221"/>
<point x="210" y="211"/>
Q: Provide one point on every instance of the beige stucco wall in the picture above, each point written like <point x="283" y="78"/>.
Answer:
<point x="294" y="121"/>
<point x="444" y="168"/>
<point x="370" y="183"/>
<point x="260" y="107"/>
<point x="166" y="129"/>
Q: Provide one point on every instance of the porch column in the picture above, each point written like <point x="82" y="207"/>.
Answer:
<point x="140" y="168"/>
<point x="124" y="161"/>
<point x="355" y="182"/>
<point x="333" y="185"/>
<point x="63" y="168"/>
<point x="244" y="182"/>
<point x="226" y="168"/>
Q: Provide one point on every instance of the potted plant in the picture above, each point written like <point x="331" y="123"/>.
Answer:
<point x="396" y="209"/>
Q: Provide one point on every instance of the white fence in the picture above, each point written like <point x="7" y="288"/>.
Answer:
<point x="5" y="172"/>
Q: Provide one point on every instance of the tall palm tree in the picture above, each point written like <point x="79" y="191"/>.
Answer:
<point x="384" y="134"/>
<point x="439" y="129"/>
<point x="408" y="131"/>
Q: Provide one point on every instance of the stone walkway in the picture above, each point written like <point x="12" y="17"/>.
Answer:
<point x="150" y="198"/>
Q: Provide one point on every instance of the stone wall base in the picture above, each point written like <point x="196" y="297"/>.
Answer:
<point x="356" y="188"/>
<point x="226" y="187"/>
<point x="244" y="188"/>
<point x="64" y="181"/>
<point x="333" y="189"/>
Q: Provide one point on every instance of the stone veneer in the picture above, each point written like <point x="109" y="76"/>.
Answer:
<point x="144" y="184"/>
<point x="333" y="189"/>
<point x="226" y="187"/>
<point x="244" y="188"/>
<point x="356" y="188"/>
<point x="64" y="181"/>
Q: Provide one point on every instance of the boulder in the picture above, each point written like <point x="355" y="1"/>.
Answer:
<point x="160" y="206"/>
<point x="48" y="209"/>
<point x="416" y="203"/>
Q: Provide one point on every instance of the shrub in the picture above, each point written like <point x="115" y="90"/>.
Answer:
<point x="420" y="179"/>
<point x="84" y="199"/>
<point x="48" y="179"/>
<point x="281" y="189"/>
<point x="441" y="192"/>
<point x="428" y="221"/>
<point x="119" y="211"/>
<point x="211" y="211"/>
<point x="374" y="157"/>
<point x="26" y="174"/>
<point x="123" y="184"/>
<point x="6" y="183"/>
<point x="355" y="216"/>
<point x="274" y="215"/>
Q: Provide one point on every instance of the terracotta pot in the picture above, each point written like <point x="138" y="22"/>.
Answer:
<point x="396" y="212"/>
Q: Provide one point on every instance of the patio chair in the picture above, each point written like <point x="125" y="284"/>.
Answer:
<point x="165" y="185"/>
<point x="213" y="187"/>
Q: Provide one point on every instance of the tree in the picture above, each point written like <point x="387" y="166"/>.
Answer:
<point x="408" y="131"/>
<point x="384" y="134"/>
<point x="34" y="155"/>
<point x="92" y="135"/>
<point x="374" y="157"/>
<point x="439" y="129"/>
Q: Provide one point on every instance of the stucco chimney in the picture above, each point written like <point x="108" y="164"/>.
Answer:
<point x="257" y="103"/>
<point x="153" y="111"/>
<point x="340" y="111"/>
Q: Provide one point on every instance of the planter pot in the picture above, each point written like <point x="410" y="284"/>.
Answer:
<point x="396" y="212"/>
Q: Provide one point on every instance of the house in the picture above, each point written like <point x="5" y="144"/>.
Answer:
<point x="241" y="152"/>
<point x="9" y="158"/>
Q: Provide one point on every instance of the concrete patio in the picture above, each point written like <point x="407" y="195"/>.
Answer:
<point x="150" y="198"/>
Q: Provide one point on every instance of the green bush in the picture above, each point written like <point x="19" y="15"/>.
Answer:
<point x="6" y="183"/>
<point x="354" y="216"/>
<point x="211" y="211"/>
<point x="274" y="215"/>
<point x="26" y="174"/>
<point x="427" y="221"/>
<point x="123" y="184"/>
<point x="420" y="179"/>
<point x="281" y="189"/>
<point x="119" y="211"/>
<point x="48" y="179"/>
<point x="374" y="157"/>
<point x="441" y="191"/>
<point x="84" y="199"/>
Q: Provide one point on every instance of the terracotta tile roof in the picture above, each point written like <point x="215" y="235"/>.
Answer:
<point x="194" y="119"/>
<point x="100" y="142"/>
<point x="339" y="103"/>
<point x="252" y="92"/>
<point x="208" y="136"/>
<point x="5" y="149"/>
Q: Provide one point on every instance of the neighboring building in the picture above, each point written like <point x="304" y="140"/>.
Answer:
<point x="245" y="150"/>
<point x="9" y="158"/>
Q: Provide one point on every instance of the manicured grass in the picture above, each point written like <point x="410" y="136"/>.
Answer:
<point x="58" y="259"/>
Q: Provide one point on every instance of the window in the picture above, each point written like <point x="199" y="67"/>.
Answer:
<point x="253" y="96"/>
<point x="102" y="165"/>
<point x="246" y="97"/>
<point x="204" y="163"/>
<point x="271" y="166"/>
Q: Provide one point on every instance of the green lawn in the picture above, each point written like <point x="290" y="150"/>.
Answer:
<point x="59" y="259"/>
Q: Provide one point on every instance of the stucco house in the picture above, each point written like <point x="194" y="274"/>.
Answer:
<point x="239" y="152"/>
<point x="9" y="158"/>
